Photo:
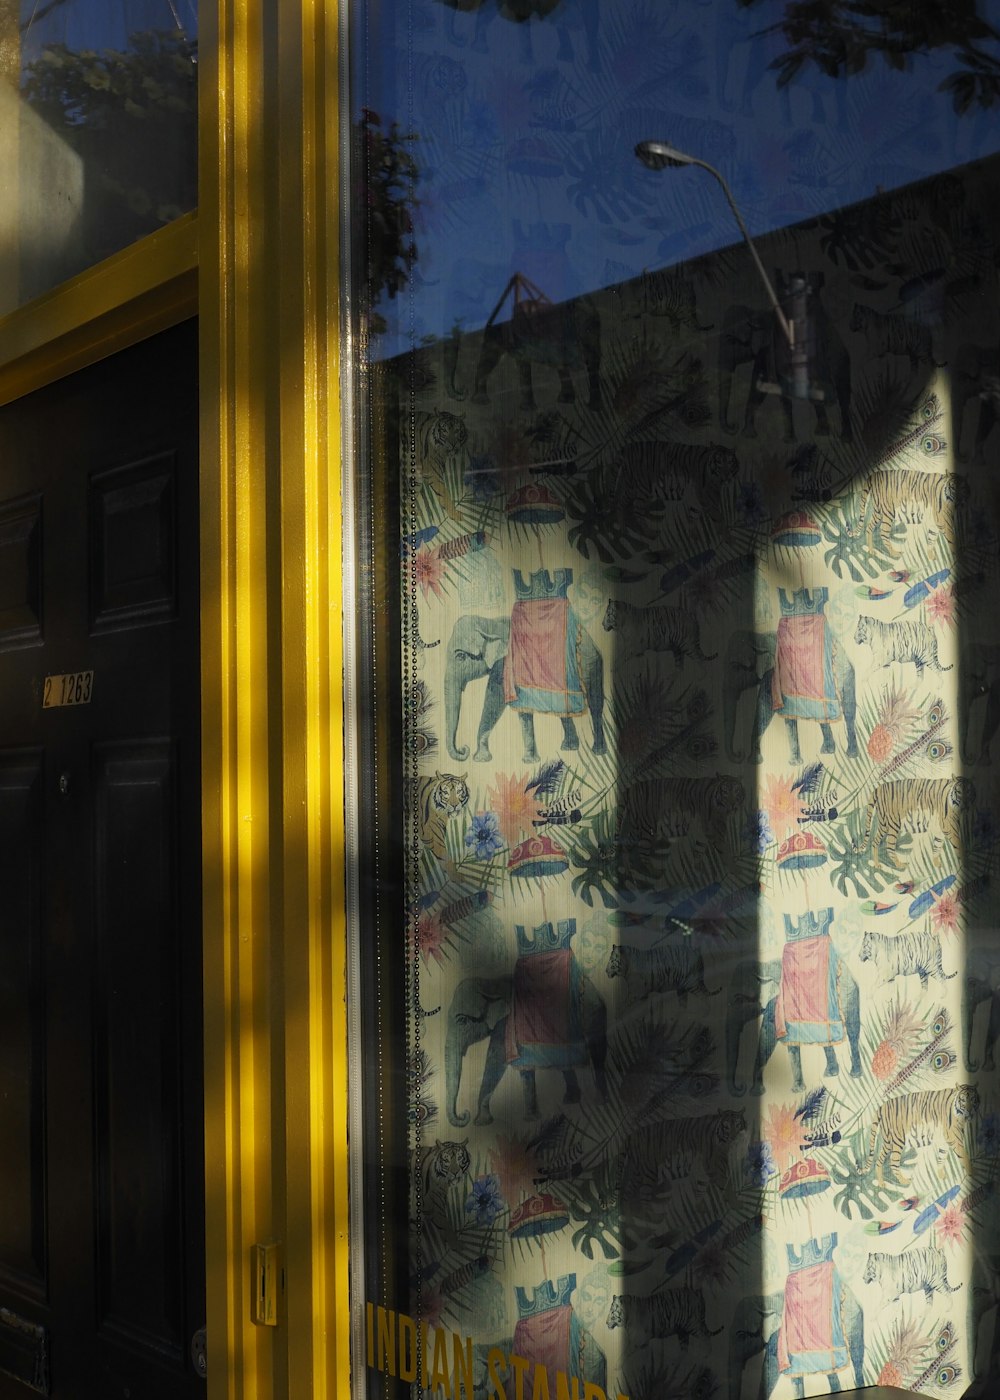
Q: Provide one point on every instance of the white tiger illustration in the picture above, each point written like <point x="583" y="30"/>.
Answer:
<point x="663" y="808"/>
<point x="926" y="494"/>
<point x="905" y="955"/>
<point x="656" y="1155"/>
<point x="913" y="1271"/>
<point x="656" y="629"/>
<point x="911" y="804"/>
<point x="671" y="967"/>
<point x="899" y="641"/>
<point x="888" y="334"/>
<point x="672" y="1312"/>
<point x="648" y="474"/>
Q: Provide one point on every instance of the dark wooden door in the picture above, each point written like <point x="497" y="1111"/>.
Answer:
<point x="101" y="1171"/>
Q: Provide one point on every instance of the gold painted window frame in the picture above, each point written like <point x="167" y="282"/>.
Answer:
<point x="259" y="264"/>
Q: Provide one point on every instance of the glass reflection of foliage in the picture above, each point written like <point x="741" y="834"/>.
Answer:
<point x="389" y="174"/>
<point x="839" y="37"/>
<point x="132" y="116"/>
<point x="516" y="10"/>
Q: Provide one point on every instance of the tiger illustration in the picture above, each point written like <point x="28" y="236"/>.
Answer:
<point x="899" y="641"/>
<point x="671" y="1312"/>
<point x="649" y="474"/>
<point x="656" y="629"/>
<point x="905" y="955"/>
<point x="438" y="799"/>
<point x="659" y="809"/>
<point x="929" y="495"/>
<point x="656" y="1155"/>
<point x="892" y="335"/>
<point x="911" y="804"/>
<point x="667" y="294"/>
<point x="913" y="1271"/>
<point x="428" y="441"/>
<point x="436" y="1170"/>
<point x="914" y="1120"/>
<point x="674" y="967"/>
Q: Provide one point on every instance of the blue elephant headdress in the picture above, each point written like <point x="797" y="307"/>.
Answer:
<point x="811" y="925"/>
<point x="546" y="938"/>
<point x="803" y="602"/>
<point x="542" y="584"/>
<point x="812" y="1252"/>
<point x="545" y="1296"/>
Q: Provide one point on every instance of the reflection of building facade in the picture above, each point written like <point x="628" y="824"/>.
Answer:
<point x="677" y="1022"/>
<point x="787" y="907"/>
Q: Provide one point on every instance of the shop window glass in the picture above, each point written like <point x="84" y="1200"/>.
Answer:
<point x="674" y="930"/>
<point x="98" y="110"/>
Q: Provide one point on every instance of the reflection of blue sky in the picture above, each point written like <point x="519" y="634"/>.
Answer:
<point x="98" y="24"/>
<point x="526" y="135"/>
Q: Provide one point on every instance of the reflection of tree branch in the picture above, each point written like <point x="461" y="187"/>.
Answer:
<point x="839" y="37"/>
<point x="40" y="13"/>
<point x="516" y="10"/>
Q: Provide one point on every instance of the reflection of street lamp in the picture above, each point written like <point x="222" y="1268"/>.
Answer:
<point x="657" y="155"/>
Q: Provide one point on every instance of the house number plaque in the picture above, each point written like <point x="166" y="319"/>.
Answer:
<point x="72" y="688"/>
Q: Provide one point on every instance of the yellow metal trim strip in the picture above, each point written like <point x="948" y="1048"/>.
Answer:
<point x="275" y="1041"/>
<point x="145" y="288"/>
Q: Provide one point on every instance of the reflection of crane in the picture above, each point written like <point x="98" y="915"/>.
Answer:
<point x="526" y="297"/>
<point x="565" y="336"/>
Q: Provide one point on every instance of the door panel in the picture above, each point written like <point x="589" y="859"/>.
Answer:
<point x="101" y="1230"/>
<point x="22" y="1014"/>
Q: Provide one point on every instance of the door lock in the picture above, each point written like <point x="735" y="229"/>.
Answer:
<point x="63" y="784"/>
<point x="199" y="1352"/>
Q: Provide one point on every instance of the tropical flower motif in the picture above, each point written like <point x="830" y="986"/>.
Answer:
<point x="944" y="914"/>
<point x="484" y="836"/>
<point x="782" y="807"/>
<point x="750" y="502"/>
<point x="515" y="1167"/>
<point x="759" y="1164"/>
<point x="482" y="479"/>
<point x="428" y="570"/>
<point x="431" y="1308"/>
<point x="515" y="809"/>
<point x="485" y="1203"/>
<point x="759" y="833"/>
<point x="940" y="606"/>
<point x="989" y="1134"/>
<point x="783" y="1135"/>
<point x="432" y="937"/>
<point x="984" y="827"/>
<point x="949" y="1225"/>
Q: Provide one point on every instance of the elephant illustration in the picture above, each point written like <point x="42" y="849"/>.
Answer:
<point x="748" y="1334"/>
<point x="743" y="1007"/>
<point x="771" y="363"/>
<point x="489" y="1007"/>
<point x="752" y="660"/>
<point x="981" y="677"/>
<point x="984" y="1297"/>
<point x="981" y="983"/>
<point x="975" y="377"/>
<point x="744" y="340"/>
<point x="566" y="336"/>
<point x="815" y="981"/>
<point x="478" y="647"/>
<point x="853" y="1322"/>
